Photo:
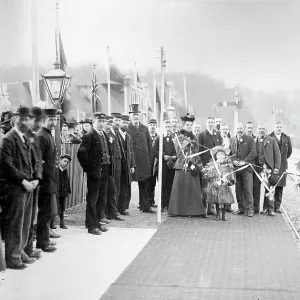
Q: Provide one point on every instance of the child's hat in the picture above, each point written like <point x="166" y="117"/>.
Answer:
<point x="65" y="156"/>
<point x="217" y="149"/>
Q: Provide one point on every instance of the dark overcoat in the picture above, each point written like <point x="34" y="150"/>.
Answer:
<point x="127" y="153"/>
<point x="15" y="161"/>
<point x="48" y="152"/>
<point x="208" y="141"/>
<point x="90" y="154"/>
<point x="142" y="148"/>
<point x="285" y="147"/>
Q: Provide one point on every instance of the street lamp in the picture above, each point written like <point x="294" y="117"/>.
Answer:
<point x="57" y="82"/>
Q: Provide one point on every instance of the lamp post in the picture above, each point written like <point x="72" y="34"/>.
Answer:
<point x="57" y="82"/>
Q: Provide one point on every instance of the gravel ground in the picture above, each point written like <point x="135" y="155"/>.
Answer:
<point x="76" y="215"/>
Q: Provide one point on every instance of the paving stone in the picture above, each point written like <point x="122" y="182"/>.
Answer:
<point x="192" y="258"/>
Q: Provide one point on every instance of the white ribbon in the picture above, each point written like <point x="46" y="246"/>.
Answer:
<point x="239" y="169"/>
<point x="198" y="153"/>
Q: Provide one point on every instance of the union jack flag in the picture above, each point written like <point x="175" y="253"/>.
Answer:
<point x="95" y="93"/>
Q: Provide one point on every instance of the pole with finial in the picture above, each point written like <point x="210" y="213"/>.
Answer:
<point x="236" y="110"/>
<point x="161" y="130"/>
<point x="108" y="82"/>
<point x="185" y="92"/>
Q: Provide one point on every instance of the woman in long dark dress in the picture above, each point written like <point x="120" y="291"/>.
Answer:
<point x="185" y="197"/>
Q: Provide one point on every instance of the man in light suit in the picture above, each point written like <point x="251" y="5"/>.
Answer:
<point x="268" y="154"/>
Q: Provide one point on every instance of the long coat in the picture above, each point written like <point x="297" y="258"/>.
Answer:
<point x="128" y="155"/>
<point x="206" y="140"/>
<point x="48" y="152"/>
<point x="271" y="153"/>
<point x="15" y="161"/>
<point x="285" y="147"/>
<point x="142" y="148"/>
<point x="90" y="154"/>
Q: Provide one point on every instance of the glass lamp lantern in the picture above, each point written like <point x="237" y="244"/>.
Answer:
<point x="56" y="82"/>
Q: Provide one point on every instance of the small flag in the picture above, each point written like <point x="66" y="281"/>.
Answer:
<point x="61" y="53"/>
<point x="95" y="94"/>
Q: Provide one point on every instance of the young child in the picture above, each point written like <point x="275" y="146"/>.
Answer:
<point x="64" y="187"/>
<point x="218" y="173"/>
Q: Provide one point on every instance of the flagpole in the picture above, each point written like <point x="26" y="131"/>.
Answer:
<point x="160" y="156"/>
<point x="35" y="60"/>
<point x="57" y="32"/>
<point x="108" y="83"/>
<point x="135" y="75"/>
<point x="185" y="92"/>
<point x="236" y="111"/>
<point x="154" y="96"/>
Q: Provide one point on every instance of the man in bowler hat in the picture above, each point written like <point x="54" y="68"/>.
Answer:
<point x="19" y="168"/>
<point x="142" y="147"/>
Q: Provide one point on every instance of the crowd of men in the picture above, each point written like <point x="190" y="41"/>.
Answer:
<point x="114" y="151"/>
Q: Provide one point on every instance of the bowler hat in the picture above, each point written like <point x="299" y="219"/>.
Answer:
<point x="116" y="115"/>
<point x="23" y="111"/>
<point x="36" y="112"/>
<point x="152" y="121"/>
<point x="273" y="179"/>
<point x="65" y="156"/>
<point x="50" y="112"/>
<point x="99" y="115"/>
<point x="86" y="120"/>
<point x="134" y="109"/>
<point x="125" y="118"/>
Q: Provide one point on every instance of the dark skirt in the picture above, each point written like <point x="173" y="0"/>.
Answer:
<point x="186" y="199"/>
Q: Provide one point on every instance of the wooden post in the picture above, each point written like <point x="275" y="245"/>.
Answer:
<point x="108" y="83"/>
<point x="154" y="97"/>
<point x="160" y="157"/>
<point x="236" y="111"/>
<point x="185" y="92"/>
<point x="34" y="47"/>
<point x="127" y="81"/>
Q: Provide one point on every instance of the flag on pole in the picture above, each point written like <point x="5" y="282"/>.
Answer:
<point x="139" y="83"/>
<point x="95" y="93"/>
<point x="61" y="52"/>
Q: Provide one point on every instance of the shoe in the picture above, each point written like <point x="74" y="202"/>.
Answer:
<point x="212" y="213"/>
<point x="52" y="224"/>
<point x="63" y="225"/>
<point x="249" y="214"/>
<point x="149" y="211"/>
<point x="103" y="228"/>
<point x="105" y="220"/>
<point x="54" y="235"/>
<point x="29" y="260"/>
<point x="239" y="212"/>
<point x="95" y="231"/>
<point x="35" y="253"/>
<point x="224" y="215"/>
<point x="230" y="210"/>
<point x="19" y="266"/>
<point x="271" y="213"/>
<point x="264" y="211"/>
<point x="278" y="210"/>
<point x="256" y="212"/>
<point x="124" y="213"/>
<point x="153" y="205"/>
<point x="205" y="216"/>
<point x="49" y="248"/>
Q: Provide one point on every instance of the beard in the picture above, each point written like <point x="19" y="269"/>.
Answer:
<point x="124" y="128"/>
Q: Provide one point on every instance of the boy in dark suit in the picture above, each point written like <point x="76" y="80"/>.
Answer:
<point x="64" y="188"/>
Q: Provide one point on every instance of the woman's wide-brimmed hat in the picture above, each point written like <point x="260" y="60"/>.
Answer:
<point x="218" y="149"/>
<point x="188" y="118"/>
<point x="86" y="120"/>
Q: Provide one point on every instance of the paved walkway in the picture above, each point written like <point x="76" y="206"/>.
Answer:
<point x="193" y="259"/>
<point x="82" y="268"/>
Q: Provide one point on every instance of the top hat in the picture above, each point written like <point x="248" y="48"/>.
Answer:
<point x="65" y="156"/>
<point x="86" y="120"/>
<point x="189" y="117"/>
<point x="50" y="112"/>
<point x="152" y="121"/>
<point x="99" y="116"/>
<point x="23" y="111"/>
<point x="36" y="112"/>
<point x="116" y="115"/>
<point x="125" y="118"/>
<point x="134" y="109"/>
<point x="72" y="124"/>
